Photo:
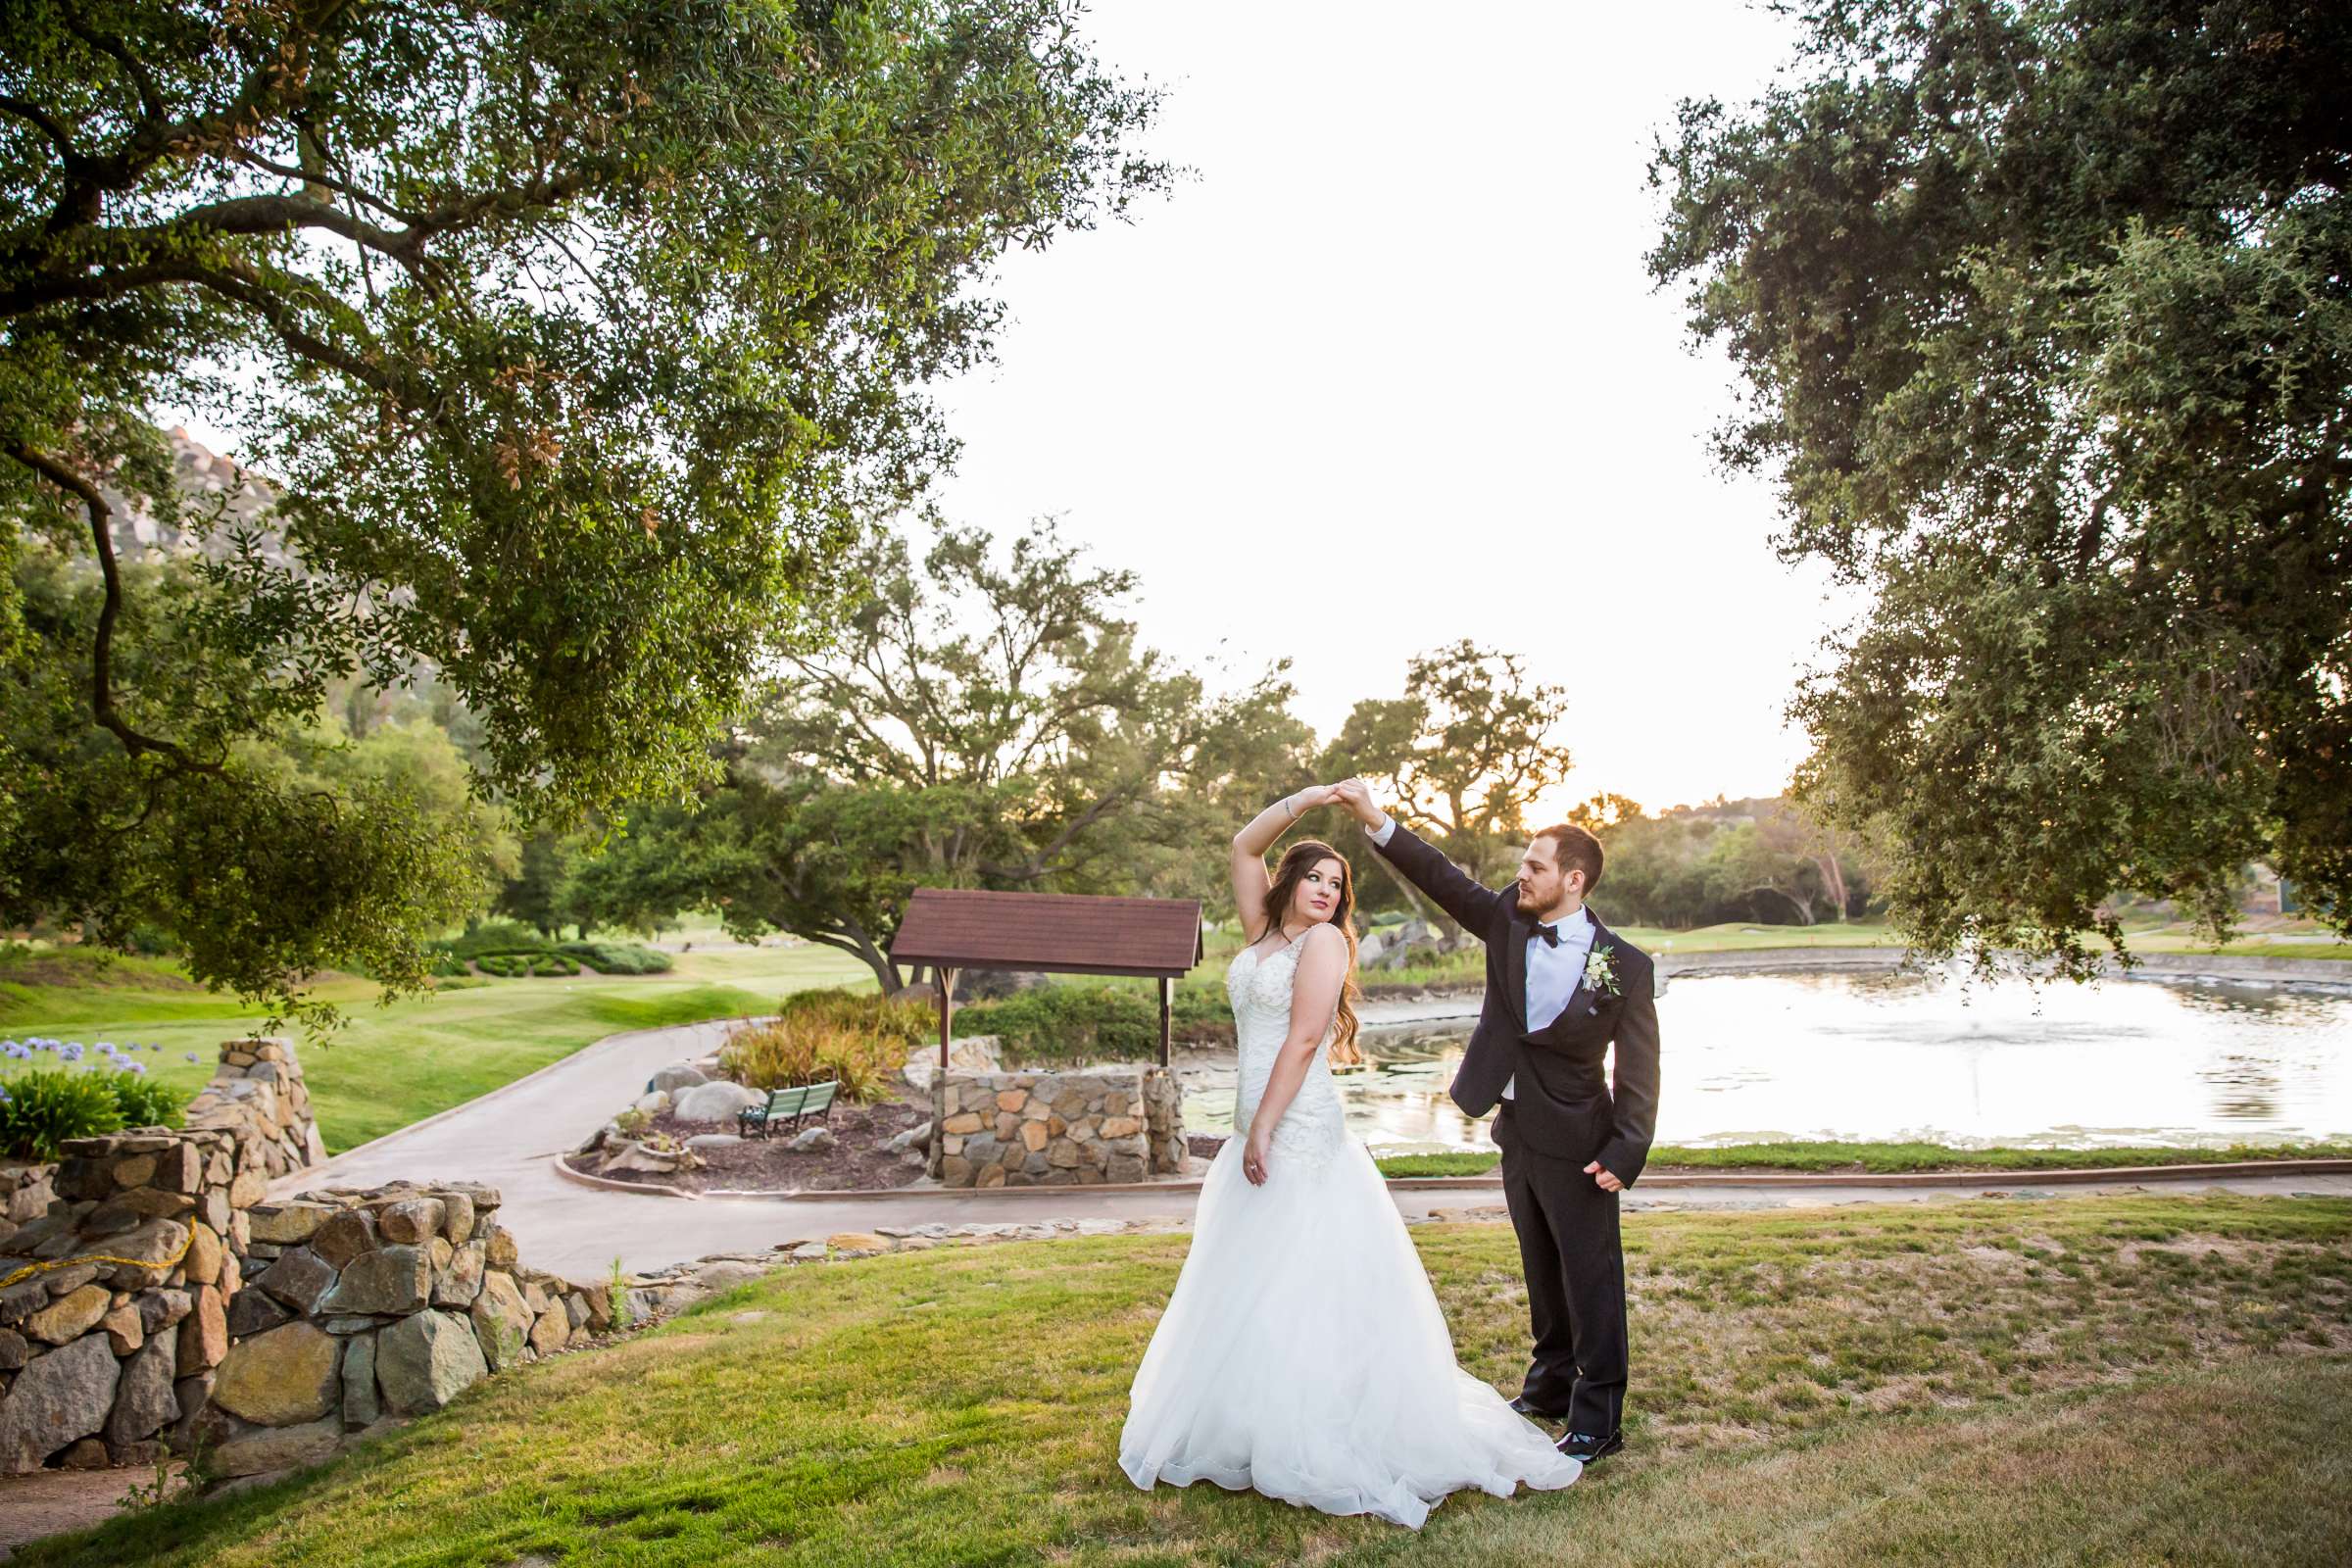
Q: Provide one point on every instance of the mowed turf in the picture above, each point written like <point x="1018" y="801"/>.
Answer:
<point x="2092" y="1380"/>
<point x="393" y="1065"/>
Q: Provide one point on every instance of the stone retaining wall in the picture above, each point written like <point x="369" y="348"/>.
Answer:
<point x="1026" y="1129"/>
<point x="364" y="1305"/>
<point x="98" y="1359"/>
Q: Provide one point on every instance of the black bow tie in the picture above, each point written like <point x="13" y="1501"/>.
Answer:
<point x="1550" y="935"/>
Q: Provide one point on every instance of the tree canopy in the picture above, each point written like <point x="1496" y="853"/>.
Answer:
<point x="583" y="338"/>
<point x="984" y="718"/>
<point x="2045" y="316"/>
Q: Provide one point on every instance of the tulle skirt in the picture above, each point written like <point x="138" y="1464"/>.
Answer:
<point x="1302" y="1355"/>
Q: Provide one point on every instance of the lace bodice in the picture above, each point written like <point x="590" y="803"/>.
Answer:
<point x="1314" y="1125"/>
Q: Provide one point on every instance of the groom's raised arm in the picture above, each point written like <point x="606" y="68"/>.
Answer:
<point x="1423" y="864"/>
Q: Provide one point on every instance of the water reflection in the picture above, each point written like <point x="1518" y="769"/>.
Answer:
<point x="1908" y="1056"/>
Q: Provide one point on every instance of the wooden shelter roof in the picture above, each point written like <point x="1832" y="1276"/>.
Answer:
<point x="1059" y="933"/>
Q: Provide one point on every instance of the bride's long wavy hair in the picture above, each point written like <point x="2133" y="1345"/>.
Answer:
<point x="1298" y="859"/>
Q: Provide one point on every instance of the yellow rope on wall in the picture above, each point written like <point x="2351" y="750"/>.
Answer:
<point x="30" y="1269"/>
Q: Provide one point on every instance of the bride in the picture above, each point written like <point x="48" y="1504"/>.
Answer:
<point x="1302" y="1352"/>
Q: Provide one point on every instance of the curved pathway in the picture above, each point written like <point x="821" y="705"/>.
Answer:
<point x="511" y="1136"/>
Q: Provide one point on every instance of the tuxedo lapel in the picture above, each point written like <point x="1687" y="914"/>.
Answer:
<point x="1516" y="930"/>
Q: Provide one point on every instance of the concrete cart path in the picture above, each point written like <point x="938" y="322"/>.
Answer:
<point x="509" y="1137"/>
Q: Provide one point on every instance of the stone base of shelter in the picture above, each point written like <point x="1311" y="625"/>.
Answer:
<point x="1066" y="1129"/>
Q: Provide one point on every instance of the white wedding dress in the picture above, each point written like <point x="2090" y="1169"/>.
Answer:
<point x="1302" y="1352"/>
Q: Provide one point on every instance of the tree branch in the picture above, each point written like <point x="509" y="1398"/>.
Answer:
<point x="102" y="696"/>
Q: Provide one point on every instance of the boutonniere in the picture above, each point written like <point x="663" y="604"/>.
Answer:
<point x="1599" y="973"/>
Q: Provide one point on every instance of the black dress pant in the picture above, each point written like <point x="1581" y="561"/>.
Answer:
<point x="1575" y="1266"/>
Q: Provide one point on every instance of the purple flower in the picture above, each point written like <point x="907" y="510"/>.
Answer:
<point x="191" y="1056"/>
<point x="134" y="1066"/>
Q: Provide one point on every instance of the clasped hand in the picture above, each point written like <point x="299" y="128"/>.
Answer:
<point x="1254" y="1156"/>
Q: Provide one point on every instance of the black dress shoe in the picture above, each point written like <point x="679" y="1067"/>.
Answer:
<point x="1536" y="1412"/>
<point x="1588" y="1448"/>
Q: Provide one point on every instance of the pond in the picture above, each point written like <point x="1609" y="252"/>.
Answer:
<point x="1911" y="1058"/>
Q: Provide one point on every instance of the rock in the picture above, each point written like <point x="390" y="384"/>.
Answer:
<point x="460" y="1283"/>
<point x="1120" y="1126"/>
<point x="858" y="1242"/>
<point x="710" y="1141"/>
<point x="162" y="1309"/>
<point x="817" y="1138"/>
<point x="144" y="1404"/>
<point x="637" y="1156"/>
<point x="1033" y="1135"/>
<point x="715" y="1102"/>
<point x="425" y="1361"/>
<point x="550" y="1329"/>
<point x="203" y="1262"/>
<point x="274" y="1449"/>
<point x="281" y="1378"/>
<point x="247" y="1188"/>
<point x="1125" y="1169"/>
<point x="87" y="1454"/>
<point x="70" y="1315"/>
<point x="123" y="1334"/>
<point x="679" y="1075"/>
<point x="502" y="1323"/>
<point x="411" y="1221"/>
<point x="498" y="1244"/>
<point x="397" y="1278"/>
<point x="361" y="1406"/>
<point x="252" y="1312"/>
<point x="810" y="1251"/>
<point x="203" y="1333"/>
<point x="290" y="1224"/>
<point x="458" y="1217"/>
<point x="13" y="1351"/>
<point x="299" y="1278"/>
<point x="57" y="1400"/>
<point x="727" y="1273"/>
<point x="345" y="1235"/>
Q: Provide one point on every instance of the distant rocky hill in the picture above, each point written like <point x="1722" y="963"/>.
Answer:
<point x="225" y="495"/>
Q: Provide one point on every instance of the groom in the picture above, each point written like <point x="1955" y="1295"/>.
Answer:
<point x="1560" y="988"/>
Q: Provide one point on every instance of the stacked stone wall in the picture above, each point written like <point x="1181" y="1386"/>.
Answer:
<point x="1066" y="1129"/>
<point x="367" y="1305"/>
<point x="115" y="1298"/>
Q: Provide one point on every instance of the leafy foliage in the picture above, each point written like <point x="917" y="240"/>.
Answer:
<point x="2046" y="311"/>
<point x="47" y="1105"/>
<point x="858" y="1042"/>
<point x="617" y="958"/>
<point x="985" y="719"/>
<point x="1069" y="1022"/>
<point x="584" y="337"/>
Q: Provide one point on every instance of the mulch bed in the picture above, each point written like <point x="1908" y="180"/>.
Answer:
<point x="858" y="1162"/>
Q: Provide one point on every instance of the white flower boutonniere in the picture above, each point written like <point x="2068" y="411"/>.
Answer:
<point x="1599" y="973"/>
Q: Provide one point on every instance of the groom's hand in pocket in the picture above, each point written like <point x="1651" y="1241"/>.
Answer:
<point x="1602" y="1179"/>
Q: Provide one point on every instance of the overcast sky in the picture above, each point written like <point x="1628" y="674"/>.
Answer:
<point x="1388" y="373"/>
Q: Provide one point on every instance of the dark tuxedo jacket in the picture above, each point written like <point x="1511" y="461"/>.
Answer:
<point x="1562" y="1105"/>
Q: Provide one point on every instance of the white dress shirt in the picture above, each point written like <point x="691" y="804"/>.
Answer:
<point x="1554" y="972"/>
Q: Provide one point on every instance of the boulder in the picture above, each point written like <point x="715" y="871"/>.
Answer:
<point x="461" y="1281"/>
<point x="411" y="1221"/>
<point x="653" y="1104"/>
<point x="289" y="1224"/>
<point x="425" y="1361"/>
<point x="204" y="1332"/>
<point x="252" y="1312"/>
<point x="715" y="1102"/>
<point x="677" y="1076"/>
<point x="807" y="1139"/>
<point x="502" y="1323"/>
<point x="56" y="1400"/>
<point x="299" y="1278"/>
<point x="70" y="1317"/>
<point x="361" y="1406"/>
<point x="396" y="1279"/>
<point x="345" y="1236"/>
<point x="282" y="1377"/>
<point x="456" y="1217"/>
<point x="144" y="1404"/>
<point x="705" y="1142"/>
<point x="269" y="1449"/>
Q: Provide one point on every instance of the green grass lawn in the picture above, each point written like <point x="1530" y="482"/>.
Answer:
<point x="2133" y="1380"/>
<point x="394" y="1065"/>
<point x="1886" y="1158"/>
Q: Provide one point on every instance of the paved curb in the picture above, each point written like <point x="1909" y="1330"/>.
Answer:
<point x="610" y="1183"/>
<point x="1971" y="1180"/>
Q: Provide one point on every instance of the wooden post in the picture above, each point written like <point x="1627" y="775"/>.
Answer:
<point x="947" y="1012"/>
<point x="1167" y="1017"/>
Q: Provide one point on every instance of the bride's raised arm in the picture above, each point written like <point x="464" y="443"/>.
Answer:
<point x="1249" y="846"/>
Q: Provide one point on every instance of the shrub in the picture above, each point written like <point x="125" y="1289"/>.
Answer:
<point x="810" y="1048"/>
<point x="448" y="967"/>
<point x="504" y="965"/>
<point x="909" y="1023"/>
<point x="1068" y="1023"/>
<point x="50" y="1105"/>
<point x="142" y="1100"/>
<point x="619" y="958"/>
<point x="494" y="936"/>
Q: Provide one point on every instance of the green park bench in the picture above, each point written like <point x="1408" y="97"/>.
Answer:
<point x="794" y="1104"/>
